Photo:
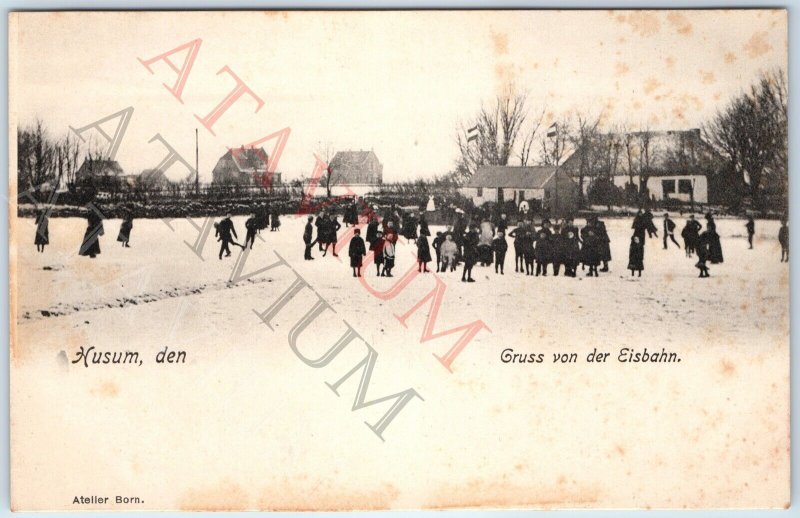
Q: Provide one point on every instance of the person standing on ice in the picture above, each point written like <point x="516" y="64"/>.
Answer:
<point x="423" y="254"/>
<point x="308" y="233"/>
<point x="42" y="232"/>
<point x="499" y="247"/>
<point x="669" y="231"/>
<point x="470" y="253"/>
<point x="125" y="228"/>
<point x="357" y="251"/>
<point x="714" y="245"/>
<point x="226" y="234"/>
<point x="751" y="230"/>
<point x="783" y="239"/>
<point x="91" y="238"/>
<point x="251" y="225"/>
<point x="636" y="255"/>
<point x="690" y="235"/>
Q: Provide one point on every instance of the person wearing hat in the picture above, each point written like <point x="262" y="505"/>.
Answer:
<point x="714" y="245"/>
<point x="227" y="232"/>
<point x="357" y="251"/>
<point x="436" y="244"/>
<point x="499" y="246"/>
<point x="470" y="253"/>
<point x="751" y="230"/>
<point x="669" y="231"/>
<point x="544" y="248"/>
<point x="636" y="255"/>
<point x="251" y="226"/>
<point x="690" y="235"/>
<point x="423" y="254"/>
<point x="307" y="235"/>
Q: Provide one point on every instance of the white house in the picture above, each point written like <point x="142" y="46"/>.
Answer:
<point x="549" y="184"/>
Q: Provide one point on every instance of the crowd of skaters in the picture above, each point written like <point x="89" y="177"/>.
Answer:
<point x="470" y="239"/>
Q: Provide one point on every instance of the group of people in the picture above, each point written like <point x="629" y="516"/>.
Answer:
<point x="560" y="244"/>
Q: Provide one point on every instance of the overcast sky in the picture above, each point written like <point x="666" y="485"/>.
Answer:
<point x="396" y="82"/>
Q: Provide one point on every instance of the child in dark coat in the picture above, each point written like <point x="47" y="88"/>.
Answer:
<point x="591" y="251"/>
<point x="704" y="252"/>
<point x="251" y="225"/>
<point x="519" y="259"/>
<point x="357" y="251"/>
<point x="527" y="243"/>
<point x="636" y="255"/>
<point x="423" y="253"/>
<point x="437" y="245"/>
<point x="500" y="247"/>
<point x="376" y="247"/>
<point x="544" y="249"/>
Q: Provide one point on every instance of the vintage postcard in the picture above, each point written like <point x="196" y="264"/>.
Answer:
<point x="368" y="260"/>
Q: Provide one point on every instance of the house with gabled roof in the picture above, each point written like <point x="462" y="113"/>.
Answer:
<point x="246" y="167"/>
<point x="549" y="185"/>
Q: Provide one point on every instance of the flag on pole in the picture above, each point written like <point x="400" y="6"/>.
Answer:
<point x="552" y="131"/>
<point x="472" y="134"/>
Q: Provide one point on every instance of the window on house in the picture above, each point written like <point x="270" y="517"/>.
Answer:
<point x="685" y="186"/>
<point x="480" y="192"/>
<point x="668" y="187"/>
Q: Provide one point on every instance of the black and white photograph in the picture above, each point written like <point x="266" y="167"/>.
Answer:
<point x="399" y="260"/>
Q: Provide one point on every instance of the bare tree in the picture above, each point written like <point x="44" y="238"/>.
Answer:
<point x="496" y="130"/>
<point x="530" y="138"/>
<point x="326" y="152"/>
<point x="585" y="141"/>
<point x="751" y="132"/>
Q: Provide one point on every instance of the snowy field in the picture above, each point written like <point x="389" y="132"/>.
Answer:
<point x="246" y="399"/>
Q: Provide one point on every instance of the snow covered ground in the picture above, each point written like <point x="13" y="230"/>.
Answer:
<point x="546" y="434"/>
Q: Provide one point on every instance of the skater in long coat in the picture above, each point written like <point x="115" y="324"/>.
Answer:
<point x="714" y="245"/>
<point x="571" y="249"/>
<point x="410" y="228"/>
<point x="91" y="238"/>
<point x="351" y="214"/>
<point x="470" y="253"/>
<point x="423" y="254"/>
<point x="42" y="231"/>
<point x="125" y="228"/>
<point x="636" y="255"/>
<point x="605" y="242"/>
<point x="275" y="221"/>
<point x="527" y="245"/>
<point x="356" y="251"/>
<point x="590" y="253"/>
<point x="639" y="225"/>
<point x="319" y="223"/>
<point x="376" y="247"/>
